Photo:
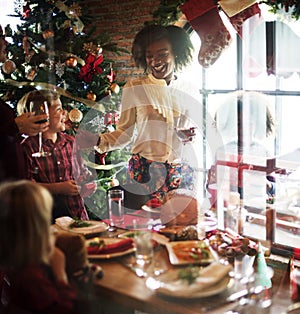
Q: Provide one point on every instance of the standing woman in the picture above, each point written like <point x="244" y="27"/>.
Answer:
<point x="153" y="105"/>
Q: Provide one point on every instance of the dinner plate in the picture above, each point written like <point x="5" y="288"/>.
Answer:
<point x="164" y="285"/>
<point x="108" y="255"/>
<point x="180" y="253"/>
<point x="159" y="238"/>
<point x="95" y="226"/>
<point x="150" y="209"/>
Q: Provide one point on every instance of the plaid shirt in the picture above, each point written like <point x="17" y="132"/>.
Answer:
<point x="65" y="163"/>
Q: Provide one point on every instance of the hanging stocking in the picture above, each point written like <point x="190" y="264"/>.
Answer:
<point x="238" y="19"/>
<point x="206" y="21"/>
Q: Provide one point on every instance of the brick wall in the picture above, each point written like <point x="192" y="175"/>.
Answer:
<point x="122" y="19"/>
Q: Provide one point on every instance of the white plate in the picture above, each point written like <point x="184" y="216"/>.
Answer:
<point x="95" y="227"/>
<point x="109" y="255"/>
<point x="176" y="260"/>
<point x="159" y="238"/>
<point x="150" y="209"/>
<point x="160" y="285"/>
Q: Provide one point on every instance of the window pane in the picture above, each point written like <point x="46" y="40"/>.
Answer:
<point x="223" y="73"/>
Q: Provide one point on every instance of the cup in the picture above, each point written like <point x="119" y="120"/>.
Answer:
<point x="143" y="247"/>
<point x="115" y="207"/>
<point x="243" y="266"/>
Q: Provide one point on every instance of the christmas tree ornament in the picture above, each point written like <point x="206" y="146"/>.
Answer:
<point x="114" y="182"/>
<point x="75" y="115"/>
<point x="29" y="56"/>
<point x="71" y="62"/>
<point x="115" y="88"/>
<point x="205" y="20"/>
<point x="92" y="67"/>
<point x="91" y="96"/>
<point x="48" y="33"/>
<point x="100" y="158"/>
<point x="26" y="11"/>
<point x="25" y="44"/>
<point x="31" y="74"/>
<point x="59" y="69"/>
<point x="111" y="76"/>
<point x="8" y="67"/>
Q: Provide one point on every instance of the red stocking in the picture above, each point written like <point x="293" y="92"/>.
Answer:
<point x="238" y="19"/>
<point x="206" y="21"/>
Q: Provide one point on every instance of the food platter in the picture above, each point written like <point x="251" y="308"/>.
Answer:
<point x="190" y="252"/>
<point x="168" y="284"/>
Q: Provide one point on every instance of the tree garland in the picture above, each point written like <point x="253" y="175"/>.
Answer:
<point x="169" y="11"/>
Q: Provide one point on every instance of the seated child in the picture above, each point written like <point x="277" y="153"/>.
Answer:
<point x="34" y="268"/>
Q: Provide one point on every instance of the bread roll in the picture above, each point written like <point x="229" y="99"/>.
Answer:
<point x="180" y="209"/>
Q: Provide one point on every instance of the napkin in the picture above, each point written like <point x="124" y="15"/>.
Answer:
<point x="208" y="277"/>
<point x="116" y="247"/>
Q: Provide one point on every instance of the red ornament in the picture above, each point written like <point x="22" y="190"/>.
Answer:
<point x="91" y="96"/>
<point x="26" y="11"/>
<point x="91" y="67"/>
<point x="71" y="62"/>
<point x="111" y="77"/>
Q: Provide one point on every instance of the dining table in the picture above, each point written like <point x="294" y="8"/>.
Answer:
<point x="124" y="290"/>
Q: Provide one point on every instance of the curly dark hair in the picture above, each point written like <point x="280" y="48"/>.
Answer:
<point x="177" y="36"/>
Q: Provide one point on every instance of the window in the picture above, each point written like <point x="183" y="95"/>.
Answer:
<point x="8" y="8"/>
<point x="265" y="65"/>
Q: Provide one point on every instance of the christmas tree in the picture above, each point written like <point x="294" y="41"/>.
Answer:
<point x="50" y="49"/>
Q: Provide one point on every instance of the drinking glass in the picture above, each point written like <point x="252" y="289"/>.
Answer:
<point x="115" y="207"/>
<point x="185" y="135"/>
<point x="40" y="108"/>
<point x="143" y="247"/>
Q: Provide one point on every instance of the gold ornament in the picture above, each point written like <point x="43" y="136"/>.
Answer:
<point x="71" y="62"/>
<point x="115" y="88"/>
<point x="8" y="67"/>
<point x="31" y="74"/>
<point x="114" y="182"/>
<point x="75" y="115"/>
<point x="48" y="33"/>
<point x="91" y="96"/>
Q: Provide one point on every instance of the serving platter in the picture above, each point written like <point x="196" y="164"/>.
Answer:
<point x="190" y="252"/>
<point x="168" y="284"/>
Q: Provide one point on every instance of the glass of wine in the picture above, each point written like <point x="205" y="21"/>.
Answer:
<point x="40" y="108"/>
<point x="186" y="135"/>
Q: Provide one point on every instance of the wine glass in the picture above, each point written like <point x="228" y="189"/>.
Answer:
<point x="186" y="134"/>
<point x="40" y="108"/>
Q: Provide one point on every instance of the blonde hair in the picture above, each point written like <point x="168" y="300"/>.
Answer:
<point x="36" y="95"/>
<point x="25" y="218"/>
